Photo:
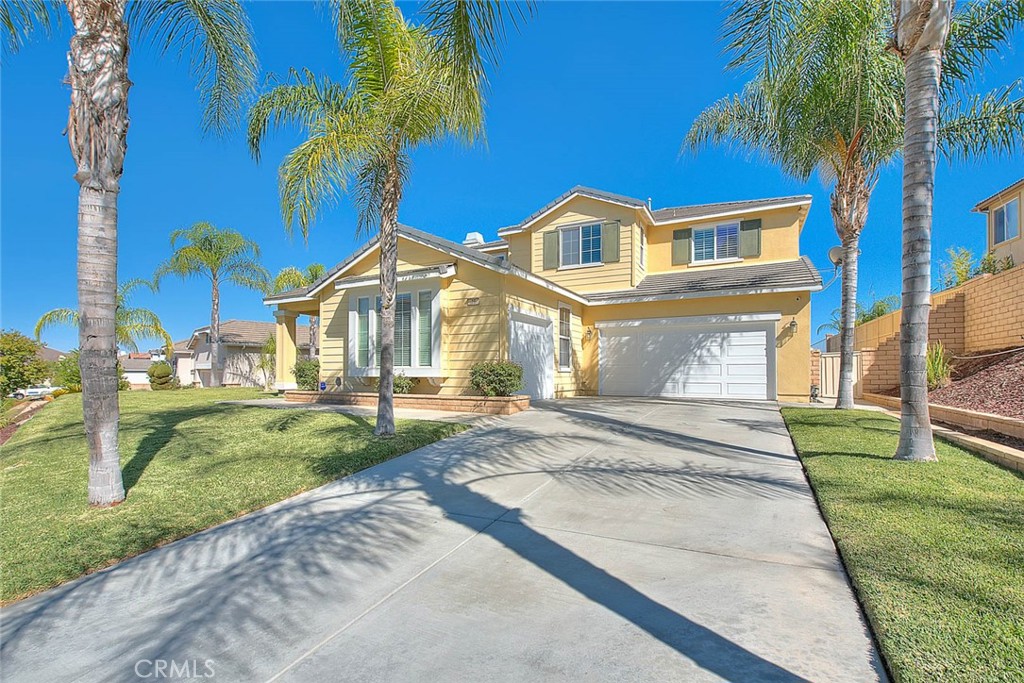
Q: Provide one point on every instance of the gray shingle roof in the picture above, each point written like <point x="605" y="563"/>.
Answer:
<point x="253" y="333"/>
<point x="983" y="204"/>
<point x="135" y="364"/>
<point x="402" y="274"/>
<point x="683" y="212"/>
<point x="785" y="275"/>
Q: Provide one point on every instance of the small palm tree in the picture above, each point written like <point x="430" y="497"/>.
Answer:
<point x="267" y="361"/>
<point x="214" y="37"/>
<point x="221" y="255"/>
<point x="291" y="277"/>
<point x="827" y="94"/>
<point x="131" y="324"/>
<point x="405" y="85"/>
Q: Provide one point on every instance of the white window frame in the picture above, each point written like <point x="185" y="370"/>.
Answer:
<point x="416" y="369"/>
<point x="578" y="227"/>
<point x="564" y="363"/>
<point x="715" y="259"/>
<point x="1003" y="208"/>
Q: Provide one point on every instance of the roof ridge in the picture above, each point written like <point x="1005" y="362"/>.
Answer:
<point x="735" y="201"/>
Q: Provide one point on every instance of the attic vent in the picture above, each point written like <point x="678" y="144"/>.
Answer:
<point x="473" y="239"/>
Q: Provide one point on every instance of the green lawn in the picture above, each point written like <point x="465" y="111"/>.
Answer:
<point x="188" y="463"/>
<point x="935" y="550"/>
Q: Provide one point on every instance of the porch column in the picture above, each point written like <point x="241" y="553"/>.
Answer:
<point x="284" y="377"/>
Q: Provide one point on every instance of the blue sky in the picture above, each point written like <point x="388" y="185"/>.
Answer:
<point x="598" y="94"/>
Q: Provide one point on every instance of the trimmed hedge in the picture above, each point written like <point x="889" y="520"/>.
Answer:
<point x="160" y="376"/>
<point x="497" y="378"/>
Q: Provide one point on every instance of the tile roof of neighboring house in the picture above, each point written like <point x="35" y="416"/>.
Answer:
<point x="983" y="205"/>
<point x="251" y="333"/>
<point x="50" y="355"/>
<point x="683" y="212"/>
<point x="181" y="346"/>
<point x="795" y="275"/>
<point x="129" y="364"/>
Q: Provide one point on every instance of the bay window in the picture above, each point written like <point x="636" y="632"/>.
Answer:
<point x="417" y="333"/>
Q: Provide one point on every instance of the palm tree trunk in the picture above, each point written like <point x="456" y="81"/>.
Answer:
<point x="215" y="374"/>
<point x="923" y="69"/>
<point x="848" y="322"/>
<point x="97" y="132"/>
<point x="849" y="206"/>
<point x="388" y="285"/>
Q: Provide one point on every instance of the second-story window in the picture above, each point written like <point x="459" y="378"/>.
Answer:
<point x="581" y="245"/>
<point x="719" y="242"/>
<point x="1006" y="222"/>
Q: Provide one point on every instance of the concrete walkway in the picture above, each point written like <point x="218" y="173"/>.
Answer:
<point x="598" y="540"/>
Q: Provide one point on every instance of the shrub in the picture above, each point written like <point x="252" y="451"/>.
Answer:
<point x="307" y="374"/>
<point x="939" y="366"/>
<point x="401" y="384"/>
<point x="160" y="376"/>
<point x="20" y="364"/>
<point x="498" y="378"/>
<point x="57" y="393"/>
<point x="67" y="373"/>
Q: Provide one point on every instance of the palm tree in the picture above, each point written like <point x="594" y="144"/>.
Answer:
<point x="405" y="85"/>
<point x="221" y="255"/>
<point x="291" y="277"/>
<point x="131" y="324"/>
<point x="826" y="96"/>
<point x="214" y="36"/>
<point x="920" y="35"/>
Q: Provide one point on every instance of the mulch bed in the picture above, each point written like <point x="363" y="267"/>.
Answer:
<point x="990" y="385"/>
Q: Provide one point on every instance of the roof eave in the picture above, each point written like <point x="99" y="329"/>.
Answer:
<point x="735" y="212"/>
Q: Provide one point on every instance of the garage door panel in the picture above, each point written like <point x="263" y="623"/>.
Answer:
<point x="684" y="361"/>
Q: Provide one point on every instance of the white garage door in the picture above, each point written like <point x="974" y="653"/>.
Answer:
<point x="531" y="344"/>
<point x="688" y="360"/>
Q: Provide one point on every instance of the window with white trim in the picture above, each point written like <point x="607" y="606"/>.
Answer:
<point x="564" y="337"/>
<point x="581" y="245"/>
<point x="417" y="338"/>
<point x="1006" y="222"/>
<point x="719" y="242"/>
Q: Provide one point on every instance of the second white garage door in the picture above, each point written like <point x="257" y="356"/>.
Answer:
<point x="691" y="360"/>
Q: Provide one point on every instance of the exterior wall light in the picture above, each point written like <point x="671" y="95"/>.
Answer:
<point x="793" y="325"/>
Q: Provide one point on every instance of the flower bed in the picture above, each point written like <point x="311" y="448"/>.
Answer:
<point x="489" y="405"/>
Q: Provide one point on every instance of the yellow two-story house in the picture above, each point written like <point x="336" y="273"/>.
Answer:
<point x="593" y="294"/>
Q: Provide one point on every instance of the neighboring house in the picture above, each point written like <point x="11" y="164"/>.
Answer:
<point x="595" y="293"/>
<point x="1005" y="214"/>
<point x="49" y="356"/>
<point x="134" y="367"/>
<point x="241" y="343"/>
<point x="182" y="362"/>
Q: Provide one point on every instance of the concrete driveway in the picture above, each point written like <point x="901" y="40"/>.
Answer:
<point x="588" y="539"/>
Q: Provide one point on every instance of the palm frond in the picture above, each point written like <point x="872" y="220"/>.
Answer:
<point x="22" y="20"/>
<point x="216" y="37"/>
<point x="757" y="32"/>
<point x="303" y="101"/>
<point x="990" y="123"/>
<point x="979" y="32"/>
<point x="58" y="316"/>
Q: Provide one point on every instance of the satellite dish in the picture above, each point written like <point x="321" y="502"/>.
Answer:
<point x="835" y="255"/>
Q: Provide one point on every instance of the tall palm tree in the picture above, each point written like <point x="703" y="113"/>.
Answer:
<point x="921" y="30"/>
<point x="406" y="84"/>
<point x="291" y="277"/>
<point x="826" y="96"/>
<point x="221" y="255"/>
<point x="214" y="36"/>
<point x="131" y="323"/>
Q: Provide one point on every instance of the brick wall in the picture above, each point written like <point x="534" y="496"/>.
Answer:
<point x="984" y="314"/>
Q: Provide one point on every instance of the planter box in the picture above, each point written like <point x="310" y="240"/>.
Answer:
<point x="488" y="405"/>
<point x="968" y="419"/>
